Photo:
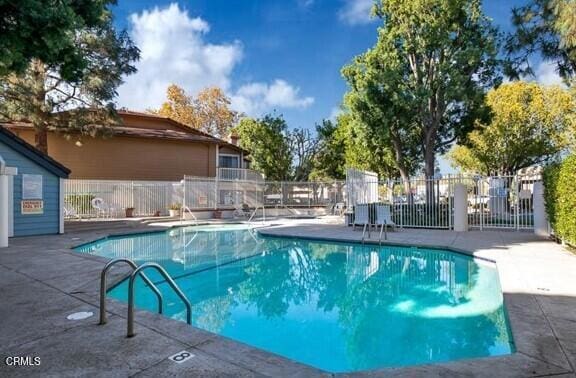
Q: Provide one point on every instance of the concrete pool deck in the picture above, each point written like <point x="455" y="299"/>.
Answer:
<point x="42" y="281"/>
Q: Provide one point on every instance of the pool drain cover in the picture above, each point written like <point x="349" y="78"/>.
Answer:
<point x="80" y="315"/>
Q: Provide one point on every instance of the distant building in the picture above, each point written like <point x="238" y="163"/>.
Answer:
<point x="145" y="147"/>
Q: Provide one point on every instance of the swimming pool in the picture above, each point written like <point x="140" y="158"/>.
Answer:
<point x="340" y="307"/>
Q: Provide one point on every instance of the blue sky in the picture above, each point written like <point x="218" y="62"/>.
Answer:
<point x="282" y="55"/>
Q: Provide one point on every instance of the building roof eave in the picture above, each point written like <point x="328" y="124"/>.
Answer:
<point x="20" y="145"/>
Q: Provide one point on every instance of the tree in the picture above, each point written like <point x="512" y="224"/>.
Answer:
<point x="47" y="31"/>
<point x="42" y="95"/>
<point x="547" y="27"/>
<point x="364" y="149"/>
<point x="330" y="159"/>
<point x="209" y="111"/>
<point x="433" y="59"/>
<point x="267" y="141"/>
<point x="528" y="126"/>
<point x="386" y="126"/>
<point x="304" y="147"/>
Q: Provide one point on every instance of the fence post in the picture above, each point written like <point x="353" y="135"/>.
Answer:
<point x="450" y="203"/>
<point x="216" y="183"/>
<point x="6" y="181"/>
<point x="460" y="208"/>
<point x="516" y="182"/>
<point x="540" y="218"/>
<point x="183" y="195"/>
<point x="132" y="200"/>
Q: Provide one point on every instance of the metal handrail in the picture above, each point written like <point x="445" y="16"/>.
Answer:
<point x="187" y="209"/>
<point x="287" y="208"/>
<point x="103" y="287"/>
<point x="130" y="332"/>
<point x="255" y="211"/>
<point x="251" y="232"/>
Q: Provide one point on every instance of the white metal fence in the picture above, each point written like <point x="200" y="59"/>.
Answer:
<point x="144" y="197"/>
<point x="502" y="202"/>
<point x="148" y="198"/>
<point x="206" y="193"/>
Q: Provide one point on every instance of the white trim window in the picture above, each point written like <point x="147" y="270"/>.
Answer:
<point x="229" y="161"/>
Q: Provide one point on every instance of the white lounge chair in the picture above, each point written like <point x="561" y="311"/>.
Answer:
<point x="338" y="209"/>
<point x="362" y="218"/>
<point x="384" y="219"/>
<point x="104" y="209"/>
<point x="70" y="212"/>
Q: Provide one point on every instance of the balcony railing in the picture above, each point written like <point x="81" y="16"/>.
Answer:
<point x="229" y="174"/>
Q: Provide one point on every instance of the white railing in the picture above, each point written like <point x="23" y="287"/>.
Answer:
<point x="186" y="210"/>
<point x="254" y="214"/>
<point x="206" y="193"/>
<point x="504" y="202"/>
<point x="239" y="174"/>
<point x="500" y="202"/>
<point x="146" y="198"/>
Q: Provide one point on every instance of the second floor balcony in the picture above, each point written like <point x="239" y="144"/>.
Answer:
<point x="230" y="174"/>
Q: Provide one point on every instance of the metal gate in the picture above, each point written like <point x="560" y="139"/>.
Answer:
<point x="502" y="202"/>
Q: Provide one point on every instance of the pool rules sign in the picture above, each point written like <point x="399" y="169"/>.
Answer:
<point x="32" y="196"/>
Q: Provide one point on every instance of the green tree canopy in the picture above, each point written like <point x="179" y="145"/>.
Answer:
<point x="267" y="141"/>
<point x="47" y="31"/>
<point x="426" y="77"/>
<point x="530" y="125"/>
<point x="330" y="160"/>
<point x="547" y="27"/>
<point x="83" y="106"/>
<point x="363" y="148"/>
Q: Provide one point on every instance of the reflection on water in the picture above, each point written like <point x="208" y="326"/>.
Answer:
<point x="337" y="306"/>
<point x="181" y="250"/>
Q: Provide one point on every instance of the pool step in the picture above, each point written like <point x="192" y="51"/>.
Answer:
<point x="81" y="226"/>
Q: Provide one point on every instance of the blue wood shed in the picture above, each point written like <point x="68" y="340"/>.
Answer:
<point x="36" y="191"/>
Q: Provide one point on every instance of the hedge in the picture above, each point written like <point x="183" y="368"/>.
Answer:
<point x="560" y="198"/>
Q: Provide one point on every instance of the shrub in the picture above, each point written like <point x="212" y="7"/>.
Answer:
<point x="560" y="198"/>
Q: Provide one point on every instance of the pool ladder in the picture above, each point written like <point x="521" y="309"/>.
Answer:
<point x="139" y="270"/>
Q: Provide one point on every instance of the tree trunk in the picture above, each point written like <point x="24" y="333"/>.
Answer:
<point x="39" y="118"/>
<point x="406" y="183"/>
<point x="429" y="167"/>
<point x="41" y="139"/>
<point x="399" y="160"/>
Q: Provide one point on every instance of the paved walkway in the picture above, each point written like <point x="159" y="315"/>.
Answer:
<point x="42" y="282"/>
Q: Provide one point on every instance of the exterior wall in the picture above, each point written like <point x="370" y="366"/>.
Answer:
<point x="127" y="158"/>
<point x="47" y="223"/>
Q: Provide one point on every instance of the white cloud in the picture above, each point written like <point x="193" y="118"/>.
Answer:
<point x="334" y="113"/>
<point x="174" y="49"/>
<point x="356" y="12"/>
<point x="255" y="98"/>
<point x="305" y="3"/>
<point x="546" y="74"/>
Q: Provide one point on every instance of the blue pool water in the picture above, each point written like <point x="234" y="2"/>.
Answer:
<point x="340" y="307"/>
